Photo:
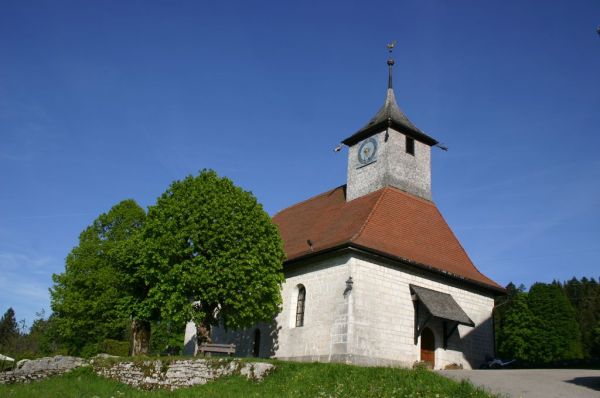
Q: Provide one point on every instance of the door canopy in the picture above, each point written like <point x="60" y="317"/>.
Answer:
<point x="431" y="304"/>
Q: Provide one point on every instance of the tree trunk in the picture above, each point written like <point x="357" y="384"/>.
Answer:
<point x="203" y="334"/>
<point x="140" y="333"/>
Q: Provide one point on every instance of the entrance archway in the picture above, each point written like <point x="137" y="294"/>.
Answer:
<point x="428" y="347"/>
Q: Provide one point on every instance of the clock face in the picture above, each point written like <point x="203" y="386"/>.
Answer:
<point x="367" y="151"/>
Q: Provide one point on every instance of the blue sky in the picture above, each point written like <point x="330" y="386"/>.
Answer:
<point x="106" y="100"/>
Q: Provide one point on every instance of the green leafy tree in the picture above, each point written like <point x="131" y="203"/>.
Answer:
<point x="36" y="341"/>
<point x="501" y="305"/>
<point x="557" y="325"/>
<point x="166" y="338"/>
<point x="595" y="347"/>
<point x="210" y="243"/>
<point x="9" y="331"/>
<point x="519" y="330"/>
<point x="584" y="296"/>
<point x="539" y="326"/>
<point x="44" y="338"/>
<point x="88" y="298"/>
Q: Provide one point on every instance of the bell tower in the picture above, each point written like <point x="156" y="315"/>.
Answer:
<point x="389" y="151"/>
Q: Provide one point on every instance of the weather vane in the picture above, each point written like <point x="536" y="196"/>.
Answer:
<point x="391" y="46"/>
<point x="390" y="62"/>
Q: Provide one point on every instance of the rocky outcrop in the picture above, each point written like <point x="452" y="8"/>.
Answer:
<point x="150" y="375"/>
<point x="36" y="369"/>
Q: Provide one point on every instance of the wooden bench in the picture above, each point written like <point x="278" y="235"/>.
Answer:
<point x="206" y="348"/>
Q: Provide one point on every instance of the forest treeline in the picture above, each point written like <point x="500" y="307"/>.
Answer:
<point x="549" y="323"/>
<point x="43" y="337"/>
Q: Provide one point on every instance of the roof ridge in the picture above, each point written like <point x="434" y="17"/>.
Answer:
<point x="309" y="199"/>
<point x="412" y="196"/>
<point x="373" y="209"/>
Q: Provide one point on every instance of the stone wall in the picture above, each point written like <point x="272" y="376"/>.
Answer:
<point x="31" y="370"/>
<point x="323" y="337"/>
<point x="410" y="173"/>
<point x="372" y="324"/>
<point x="381" y="322"/>
<point x="393" y="166"/>
<point x="150" y="375"/>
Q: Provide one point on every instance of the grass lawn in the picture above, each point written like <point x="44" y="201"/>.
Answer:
<point x="290" y="379"/>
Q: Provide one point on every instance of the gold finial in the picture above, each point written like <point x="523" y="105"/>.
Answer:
<point x="391" y="46"/>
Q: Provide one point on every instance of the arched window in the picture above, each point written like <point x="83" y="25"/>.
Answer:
<point x="300" y="306"/>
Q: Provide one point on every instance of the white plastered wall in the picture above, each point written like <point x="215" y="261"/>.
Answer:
<point x="323" y="336"/>
<point x="373" y="324"/>
<point x="382" y="320"/>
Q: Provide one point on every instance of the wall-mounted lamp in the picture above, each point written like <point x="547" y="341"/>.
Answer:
<point x="349" y="284"/>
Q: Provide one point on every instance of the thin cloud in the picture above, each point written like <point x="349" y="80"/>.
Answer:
<point x="16" y="289"/>
<point x="59" y="215"/>
<point x="526" y="177"/>
<point x="545" y="255"/>
<point x="503" y="226"/>
<point x="23" y="261"/>
<point x="535" y="229"/>
<point x="24" y="282"/>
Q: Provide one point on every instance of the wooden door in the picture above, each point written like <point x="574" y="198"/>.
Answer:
<point x="428" y="347"/>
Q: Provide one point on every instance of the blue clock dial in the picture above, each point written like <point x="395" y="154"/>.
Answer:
<point x="367" y="151"/>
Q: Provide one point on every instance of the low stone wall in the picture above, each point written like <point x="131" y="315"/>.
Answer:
<point x="37" y="369"/>
<point x="150" y="375"/>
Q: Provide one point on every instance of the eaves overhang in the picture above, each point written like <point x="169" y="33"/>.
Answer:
<point x="400" y="261"/>
<point x="368" y="131"/>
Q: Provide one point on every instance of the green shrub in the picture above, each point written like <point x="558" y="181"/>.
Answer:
<point x="7" y="365"/>
<point x="166" y="338"/>
<point x="90" y="350"/>
<point x="115" y="347"/>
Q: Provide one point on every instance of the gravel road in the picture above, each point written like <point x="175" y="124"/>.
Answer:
<point x="533" y="383"/>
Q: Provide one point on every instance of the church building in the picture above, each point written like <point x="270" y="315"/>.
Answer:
<point x="374" y="275"/>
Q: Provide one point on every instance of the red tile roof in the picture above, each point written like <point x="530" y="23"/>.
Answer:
<point x="388" y="221"/>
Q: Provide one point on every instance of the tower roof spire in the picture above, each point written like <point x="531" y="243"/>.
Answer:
<point x="390" y="63"/>
<point x="390" y="115"/>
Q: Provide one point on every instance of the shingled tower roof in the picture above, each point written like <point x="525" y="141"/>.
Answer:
<point x="390" y="115"/>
